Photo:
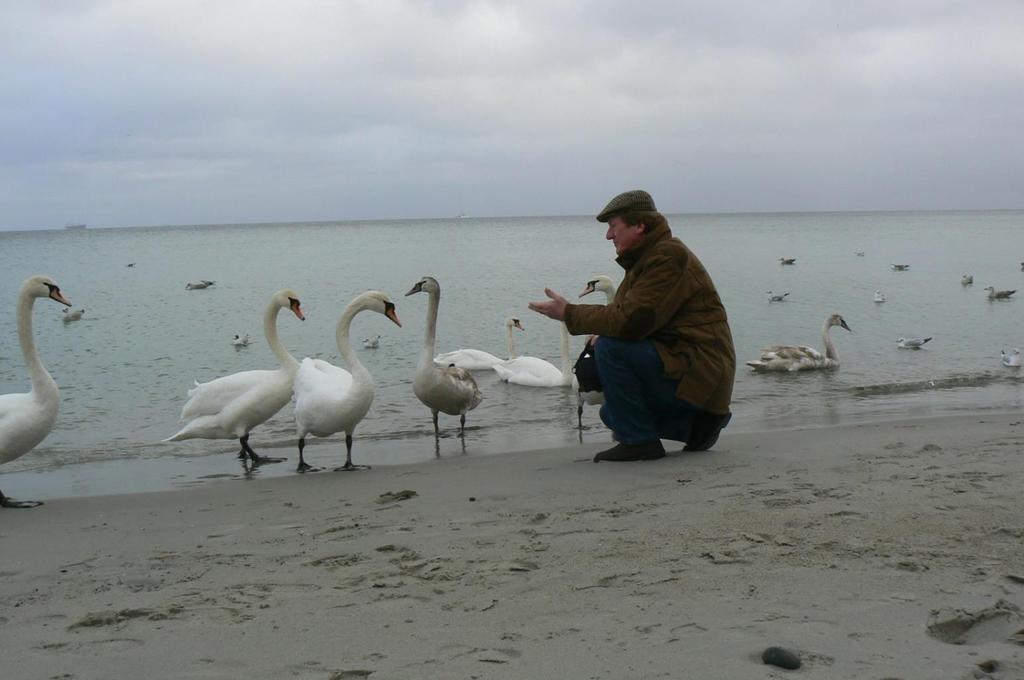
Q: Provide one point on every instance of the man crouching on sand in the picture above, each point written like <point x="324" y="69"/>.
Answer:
<point x="664" y="354"/>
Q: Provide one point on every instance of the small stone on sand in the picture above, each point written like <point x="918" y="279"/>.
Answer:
<point x="781" y="657"/>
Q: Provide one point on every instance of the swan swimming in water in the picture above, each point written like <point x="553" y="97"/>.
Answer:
<point x="241" y="341"/>
<point x="801" y="357"/>
<point x="1011" y="360"/>
<point x="774" y="297"/>
<point x="879" y="296"/>
<point x="534" y="372"/>
<point x="966" y="280"/>
<point x="787" y="260"/>
<point x="231" y="406"/>
<point x="912" y="343"/>
<point x="329" y="399"/>
<point x="198" y="285"/>
<point x="478" y="360"/>
<point x="371" y="343"/>
<point x="900" y="267"/>
<point x="26" y="418"/>
<point x="70" y="316"/>
<point x="994" y="294"/>
<point x="444" y="389"/>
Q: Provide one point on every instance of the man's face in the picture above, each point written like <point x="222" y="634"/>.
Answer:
<point x="624" y="236"/>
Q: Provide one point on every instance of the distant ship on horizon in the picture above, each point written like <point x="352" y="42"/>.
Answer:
<point x="75" y="226"/>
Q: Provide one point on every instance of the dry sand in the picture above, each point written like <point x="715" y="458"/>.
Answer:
<point x="887" y="550"/>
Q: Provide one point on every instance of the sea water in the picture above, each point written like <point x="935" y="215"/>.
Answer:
<point x="125" y="368"/>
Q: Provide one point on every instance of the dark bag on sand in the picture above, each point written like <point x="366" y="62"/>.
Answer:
<point x="586" y="370"/>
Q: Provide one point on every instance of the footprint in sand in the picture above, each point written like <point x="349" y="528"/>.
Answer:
<point x="1000" y="622"/>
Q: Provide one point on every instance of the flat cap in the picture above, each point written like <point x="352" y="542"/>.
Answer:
<point x="628" y="201"/>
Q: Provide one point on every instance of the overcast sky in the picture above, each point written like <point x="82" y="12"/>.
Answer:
<point x="137" y="112"/>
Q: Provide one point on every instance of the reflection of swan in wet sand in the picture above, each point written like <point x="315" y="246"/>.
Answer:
<point x="231" y="406"/>
<point x="329" y="399"/>
<point x="801" y="357"/>
<point x="442" y="389"/>
<point x="26" y="418"/>
<point x="478" y="360"/>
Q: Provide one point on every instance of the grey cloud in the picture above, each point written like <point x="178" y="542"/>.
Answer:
<point x="154" y="113"/>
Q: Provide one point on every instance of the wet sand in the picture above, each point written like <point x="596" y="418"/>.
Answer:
<point x="892" y="550"/>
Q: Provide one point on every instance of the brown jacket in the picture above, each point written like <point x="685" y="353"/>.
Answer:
<point x="668" y="298"/>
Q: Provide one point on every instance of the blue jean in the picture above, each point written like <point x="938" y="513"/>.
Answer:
<point x="640" y="403"/>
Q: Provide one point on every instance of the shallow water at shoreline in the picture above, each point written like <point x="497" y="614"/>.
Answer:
<point x="124" y="369"/>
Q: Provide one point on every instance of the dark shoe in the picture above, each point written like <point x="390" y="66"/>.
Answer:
<point x="625" y="452"/>
<point x="705" y="430"/>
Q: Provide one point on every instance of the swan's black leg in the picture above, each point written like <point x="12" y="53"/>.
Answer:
<point x="437" y="430"/>
<point x="255" y="457"/>
<point x="8" y="502"/>
<point x="348" y="466"/>
<point x="462" y="425"/>
<point x="303" y="465"/>
<point x="579" y="415"/>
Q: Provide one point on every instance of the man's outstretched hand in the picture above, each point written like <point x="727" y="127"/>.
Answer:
<point x="553" y="308"/>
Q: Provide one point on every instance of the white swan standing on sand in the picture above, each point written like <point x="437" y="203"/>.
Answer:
<point x="70" y="316"/>
<point x="478" y="360"/>
<point x="879" y="296"/>
<point x="534" y="372"/>
<point x="801" y="357"/>
<point x="994" y="294"/>
<point x="1012" y="359"/>
<point x="241" y="341"/>
<point x="26" y="418"/>
<point x="231" y="406"/>
<point x="198" y="285"/>
<point x="329" y="399"/>
<point x="444" y="389"/>
<point x="593" y="397"/>
<point x="912" y="343"/>
<point x="371" y="343"/>
<point x="966" y="280"/>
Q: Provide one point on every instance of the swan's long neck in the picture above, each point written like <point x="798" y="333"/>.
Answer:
<point x="566" y="359"/>
<point x="510" y="340"/>
<point x="42" y="383"/>
<point x="341" y="334"/>
<point x="609" y="294"/>
<point x="430" y="339"/>
<point x="826" y="339"/>
<point x="270" y="331"/>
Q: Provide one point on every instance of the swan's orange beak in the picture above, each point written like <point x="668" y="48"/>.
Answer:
<point x="517" y="324"/>
<point x="297" y="310"/>
<point x="389" y="311"/>
<point x="55" y="294"/>
<point x="588" y="290"/>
